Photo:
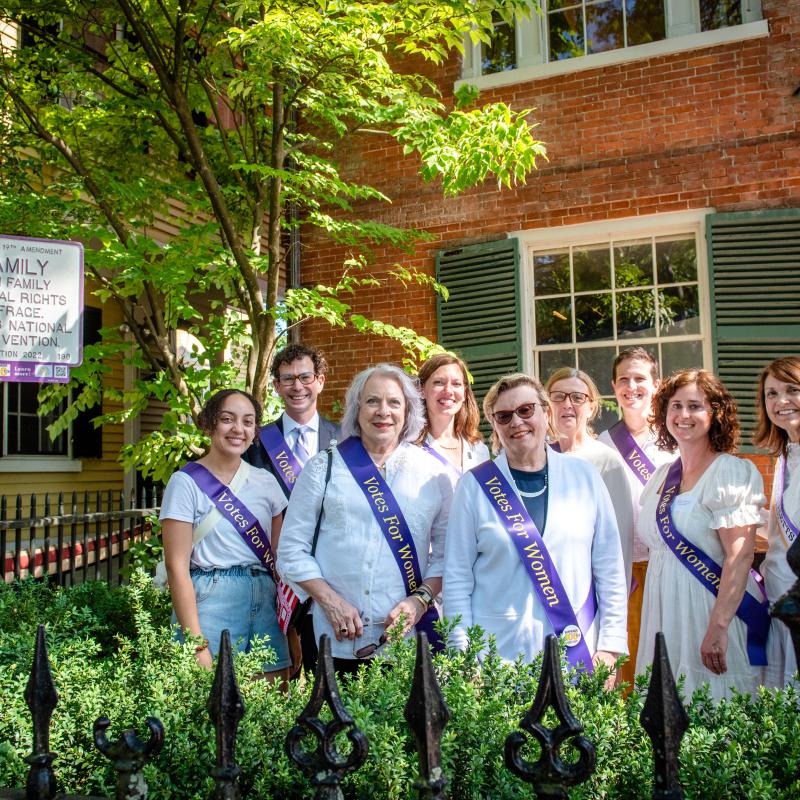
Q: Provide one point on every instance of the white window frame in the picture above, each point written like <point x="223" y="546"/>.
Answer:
<point x="683" y="34"/>
<point x="38" y="462"/>
<point x="593" y="233"/>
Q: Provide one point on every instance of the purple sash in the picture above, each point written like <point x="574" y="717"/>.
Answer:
<point x="538" y="565"/>
<point x="392" y="523"/>
<point x="236" y="512"/>
<point x="437" y="455"/>
<point x="790" y="530"/>
<point x="640" y="465"/>
<point x="287" y="467"/>
<point x="556" y="446"/>
<point x="753" y="613"/>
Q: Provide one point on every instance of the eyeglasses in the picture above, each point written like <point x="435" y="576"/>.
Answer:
<point x="525" y="411"/>
<point x="304" y="377"/>
<point x="577" y="398"/>
<point x="369" y="649"/>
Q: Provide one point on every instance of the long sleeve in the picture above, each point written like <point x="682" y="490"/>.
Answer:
<point x="461" y="551"/>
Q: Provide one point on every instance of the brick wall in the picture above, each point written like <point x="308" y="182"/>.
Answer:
<point x="715" y="127"/>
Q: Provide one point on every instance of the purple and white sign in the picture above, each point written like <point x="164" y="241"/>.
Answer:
<point x="41" y="308"/>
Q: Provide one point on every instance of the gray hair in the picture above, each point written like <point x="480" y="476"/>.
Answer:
<point x="414" y="414"/>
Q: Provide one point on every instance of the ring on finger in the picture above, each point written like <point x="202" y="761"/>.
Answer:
<point x="343" y="629"/>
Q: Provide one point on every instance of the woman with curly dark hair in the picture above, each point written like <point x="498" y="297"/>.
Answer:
<point x="220" y="520"/>
<point x="778" y="430"/>
<point x="699" y="517"/>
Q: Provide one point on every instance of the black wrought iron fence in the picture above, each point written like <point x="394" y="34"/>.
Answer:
<point x="69" y="537"/>
<point x="313" y="743"/>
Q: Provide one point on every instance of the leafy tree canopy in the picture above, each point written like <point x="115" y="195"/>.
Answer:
<point x="222" y="120"/>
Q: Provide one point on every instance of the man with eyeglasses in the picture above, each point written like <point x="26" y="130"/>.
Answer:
<point x="283" y="447"/>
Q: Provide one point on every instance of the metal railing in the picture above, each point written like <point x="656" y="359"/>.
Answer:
<point x="71" y="538"/>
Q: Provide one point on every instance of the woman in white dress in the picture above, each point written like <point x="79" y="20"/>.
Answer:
<point x="575" y="401"/>
<point x="532" y="545"/>
<point x="778" y="430"/>
<point x="714" y="501"/>
<point x="451" y="415"/>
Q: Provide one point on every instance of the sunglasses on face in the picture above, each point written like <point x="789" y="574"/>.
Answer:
<point x="304" y="377"/>
<point x="525" y="411"/>
<point x="577" y="398"/>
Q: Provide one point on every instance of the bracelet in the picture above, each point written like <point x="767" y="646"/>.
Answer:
<point x="422" y="600"/>
<point x="424" y="594"/>
<point x="201" y="647"/>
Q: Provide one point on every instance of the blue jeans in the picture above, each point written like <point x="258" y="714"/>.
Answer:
<point x="241" y="599"/>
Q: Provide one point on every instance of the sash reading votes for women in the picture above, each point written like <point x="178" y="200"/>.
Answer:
<point x="753" y="613"/>
<point x="287" y="467"/>
<point x="790" y="530"/>
<point x="539" y="566"/>
<point x="633" y="455"/>
<point x="249" y="528"/>
<point x="392" y="523"/>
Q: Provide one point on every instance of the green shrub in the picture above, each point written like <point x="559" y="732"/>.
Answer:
<point x="111" y="653"/>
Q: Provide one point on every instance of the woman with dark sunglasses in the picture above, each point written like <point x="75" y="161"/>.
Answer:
<point x="575" y="401"/>
<point x="532" y="545"/>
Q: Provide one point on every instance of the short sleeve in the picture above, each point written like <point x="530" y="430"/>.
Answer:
<point x="734" y="494"/>
<point x="276" y="499"/>
<point x="180" y="501"/>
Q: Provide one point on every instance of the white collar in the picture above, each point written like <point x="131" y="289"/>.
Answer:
<point x="290" y="424"/>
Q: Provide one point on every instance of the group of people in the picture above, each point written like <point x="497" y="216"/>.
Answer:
<point x="401" y="514"/>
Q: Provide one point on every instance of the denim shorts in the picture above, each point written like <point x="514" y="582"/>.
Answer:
<point x="241" y="599"/>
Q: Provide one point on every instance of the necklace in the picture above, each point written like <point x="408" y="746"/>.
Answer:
<point x="534" y="494"/>
<point x="445" y="447"/>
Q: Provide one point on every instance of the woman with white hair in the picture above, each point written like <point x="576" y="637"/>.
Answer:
<point x="364" y="532"/>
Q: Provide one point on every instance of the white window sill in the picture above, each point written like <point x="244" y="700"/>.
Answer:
<point x="694" y="41"/>
<point x="40" y="464"/>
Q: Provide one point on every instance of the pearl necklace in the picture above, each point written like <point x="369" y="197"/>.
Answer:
<point x="534" y="494"/>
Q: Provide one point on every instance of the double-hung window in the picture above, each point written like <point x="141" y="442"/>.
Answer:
<point x="592" y="290"/>
<point x="569" y="31"/>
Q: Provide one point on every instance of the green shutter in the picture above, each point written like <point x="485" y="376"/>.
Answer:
<point x="755" y="292"/>
<point x="480" y="320"/>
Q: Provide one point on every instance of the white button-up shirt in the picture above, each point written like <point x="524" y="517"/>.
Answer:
<point x="352" y="553"/>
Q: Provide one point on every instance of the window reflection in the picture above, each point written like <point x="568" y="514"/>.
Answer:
<point x="633" y="264"/>
<point x="605" y="28"/>
<point x="501" y="54"/>
<point x="551" y="273"/>
<point x="553" y="321"/>
<point x="719" y="14"/>
<point x="680" y="312"/>
<point x="593" y="318"/>
<point x="592" y="268"/>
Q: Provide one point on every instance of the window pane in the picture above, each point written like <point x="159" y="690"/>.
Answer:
<point x="565" y="34"/>
<point x="607" y="417"/>
<point x="719" y="14"/>
<point x="633" y="264"/>
<point x="681" y="355"/>
<point x="551" y="360"/>
<point x="676" y="260"/>
<point x="604" y="26"/>
<point x="553" y="321"/>
<point x="593" y="317"/>
<point x="597" y="361"/>
<point x="636" y="314"/>
<point x="592" y="268"/>
<point x="29" y="436"/>
<point x="551" y="273"/>
<point x="645" y="21"/>
<point x="680" y="311"/>
<point x="501" y="54"/>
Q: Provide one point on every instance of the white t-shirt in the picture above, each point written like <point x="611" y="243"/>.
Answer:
<point x="223" y="547"/>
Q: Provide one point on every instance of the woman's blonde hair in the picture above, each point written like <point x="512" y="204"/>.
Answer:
<point x="505" y="384"/>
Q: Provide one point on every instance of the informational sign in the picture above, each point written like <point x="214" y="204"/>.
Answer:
<point x="41" y="308"/>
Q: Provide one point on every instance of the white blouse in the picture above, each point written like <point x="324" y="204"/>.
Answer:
<point x="352" y="554"/>
<point x="612" y="470"/>
<point x="486" y="584"/>
<point x="778" y="576"/>
<point x="657" y="457"/>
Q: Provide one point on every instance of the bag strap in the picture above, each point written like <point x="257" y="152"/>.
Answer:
<point x="206" y="524"/>
<point x="329" y="453"/>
